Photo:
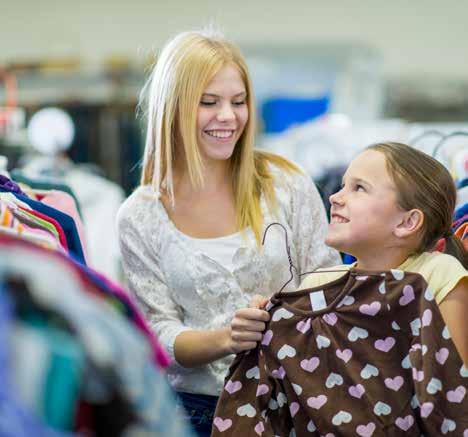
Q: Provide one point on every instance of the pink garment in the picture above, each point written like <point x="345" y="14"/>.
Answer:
<point x="65" y="203"/>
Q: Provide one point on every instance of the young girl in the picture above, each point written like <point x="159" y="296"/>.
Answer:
<point x="364" y="349"/>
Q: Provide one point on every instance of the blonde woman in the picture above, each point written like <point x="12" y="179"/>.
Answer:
<point x="191" y="234"/>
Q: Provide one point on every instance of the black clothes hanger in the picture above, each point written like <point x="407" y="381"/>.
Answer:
<point x="427" y="133"/>
<point x="445" y="138"/>
<point x="291" y="264"/>
<point x="288" y="252"/>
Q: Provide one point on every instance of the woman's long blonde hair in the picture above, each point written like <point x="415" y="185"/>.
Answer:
<point x="172" y="95"/>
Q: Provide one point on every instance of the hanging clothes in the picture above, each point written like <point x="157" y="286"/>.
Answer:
<point x="109" y="359"/>
<point x="99" y="200"/>
<point x="66" y="222"/>
<point x="15" y="419"/>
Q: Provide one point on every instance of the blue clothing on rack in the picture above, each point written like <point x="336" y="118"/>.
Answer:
<point x="15" y="419"/>
<point x="463" y="183"/>
<point x="460" y="212"/>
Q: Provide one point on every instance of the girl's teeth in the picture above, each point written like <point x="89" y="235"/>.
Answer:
<point x="339" y="220"/>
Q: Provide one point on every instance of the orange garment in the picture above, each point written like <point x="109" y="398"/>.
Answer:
<point x="462" y="233"/>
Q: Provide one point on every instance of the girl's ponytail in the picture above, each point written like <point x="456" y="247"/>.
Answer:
<point x="454" y="247"/>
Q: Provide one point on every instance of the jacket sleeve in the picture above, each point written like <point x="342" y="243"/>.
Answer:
<point x="253" y="401"/>
<point x="440" y="379"/>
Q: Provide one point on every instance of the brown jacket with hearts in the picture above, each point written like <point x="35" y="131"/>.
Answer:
<point x="377" y="360"/>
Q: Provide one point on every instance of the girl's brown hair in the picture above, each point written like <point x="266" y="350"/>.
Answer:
<point x="425" y="184"/>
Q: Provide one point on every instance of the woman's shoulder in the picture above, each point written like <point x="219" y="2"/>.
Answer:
<point x="284" y="172"/>
<point x="140" y="208"/>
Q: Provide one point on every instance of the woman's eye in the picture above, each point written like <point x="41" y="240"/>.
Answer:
<point x="360" y="188"/>
<point x="240" y="103"/>
<point x="205" y="103"/>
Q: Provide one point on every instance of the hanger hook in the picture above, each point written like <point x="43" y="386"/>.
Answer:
<point x="288" y="252"/>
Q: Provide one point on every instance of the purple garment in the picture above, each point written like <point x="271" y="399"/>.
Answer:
<point x="9" y="185"/>
<point x="457" y="223"/>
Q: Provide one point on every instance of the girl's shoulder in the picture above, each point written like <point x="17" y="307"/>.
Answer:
<point x="441" y="271"/>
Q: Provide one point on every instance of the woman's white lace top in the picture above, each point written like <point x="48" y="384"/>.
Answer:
<point x="221" y="250"/>
<point x="181" y="288"/>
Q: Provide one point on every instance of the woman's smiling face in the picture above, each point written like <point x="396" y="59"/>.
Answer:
<point x="222" y="114"/>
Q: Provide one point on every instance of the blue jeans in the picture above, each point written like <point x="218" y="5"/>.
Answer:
<point x="199" y="409"/>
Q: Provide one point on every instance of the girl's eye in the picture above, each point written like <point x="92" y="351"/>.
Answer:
<point x="360" y="188"/>
<point x="242" y="102"/>
<point x="205" y="103"/>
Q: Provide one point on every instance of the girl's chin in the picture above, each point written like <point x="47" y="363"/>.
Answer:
<point x="333" y="243"/>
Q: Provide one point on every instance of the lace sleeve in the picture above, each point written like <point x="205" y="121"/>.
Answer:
<point x="308" y="222"/>
<point x="146" y="281"/>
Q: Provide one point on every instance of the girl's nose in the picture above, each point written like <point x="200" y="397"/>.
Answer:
<point x="336" y="198"/>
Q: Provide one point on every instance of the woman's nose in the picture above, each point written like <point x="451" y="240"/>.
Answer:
<point x="226" y="113"/>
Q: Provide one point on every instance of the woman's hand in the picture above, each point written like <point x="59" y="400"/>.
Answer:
<point x="197" y="348"/>
<point x="248" y="325"/>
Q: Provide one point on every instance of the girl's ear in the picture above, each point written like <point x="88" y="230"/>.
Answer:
<point x="411" y="223"/>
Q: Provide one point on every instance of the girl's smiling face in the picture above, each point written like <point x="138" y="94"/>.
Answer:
<point x="365" y="212"/>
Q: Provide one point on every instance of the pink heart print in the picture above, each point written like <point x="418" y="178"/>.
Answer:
<point x="310" y="365"/>
<point x="405" y="423"/>
<point x="259" y="428"/>
<point x="233" y="386"/>
<point x="366" y="430"/>
<point x="408" y="295"/>
<point x="330" y="319"/>
<point x="262" y="389"/>
<point x="221" y="424"/>
<point x="266" y="339"/>
<point x="344" y="355"/>
<point x="426" y="409"/>
<point x="385" y="345"/>
<point x="278" y="373"/>
<point x="294" y="408"/>
<point x="394" y="383"/>
<point x="317" y="402"/>
<point x="356" y="391"/>
<point x="442" y="355"/>
<point x="370" y="310"/>
<point x="418" y="375"/>
<point x="456" y="395"/>
<point x="303" y="326"/>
